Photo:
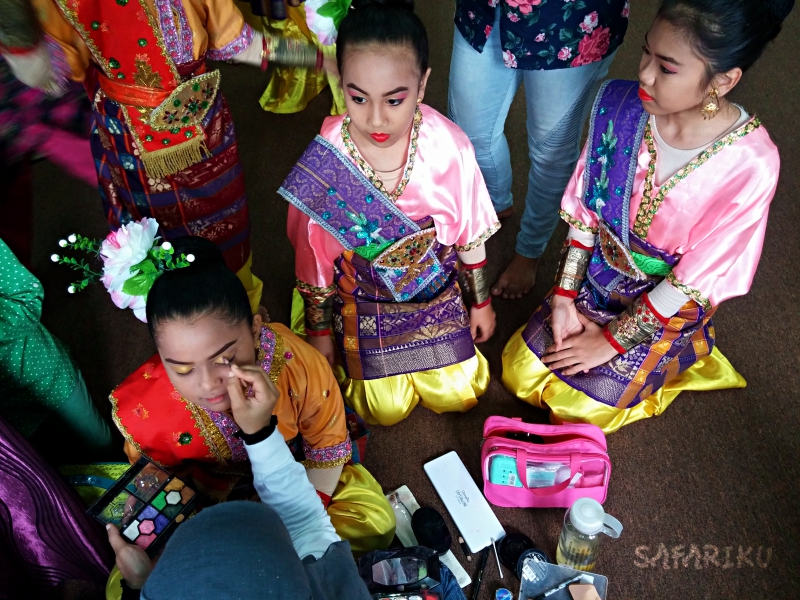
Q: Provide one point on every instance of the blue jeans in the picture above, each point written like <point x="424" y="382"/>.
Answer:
<point x="448" y="588"/>
<point x="557" y="102"/>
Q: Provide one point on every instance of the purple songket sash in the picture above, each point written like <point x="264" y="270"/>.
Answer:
<point x="623" y="266"/>
<point x="398" y="308"/>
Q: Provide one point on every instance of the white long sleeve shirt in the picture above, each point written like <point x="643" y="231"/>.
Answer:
<point x="282" y="484"/>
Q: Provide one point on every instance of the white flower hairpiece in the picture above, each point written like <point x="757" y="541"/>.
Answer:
<point x="132" y="261"/>
<point x="323" y="18"/>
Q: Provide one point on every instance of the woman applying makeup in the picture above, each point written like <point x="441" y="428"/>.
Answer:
<point x="667" y="211"/>
<point x="384" y="203"/>
<point x="175" y="408"/>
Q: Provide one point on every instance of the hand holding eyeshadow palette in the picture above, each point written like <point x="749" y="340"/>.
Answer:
<point x="146" y="504"/>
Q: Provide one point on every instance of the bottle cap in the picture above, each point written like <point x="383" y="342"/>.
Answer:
<point x="587" y="516"/>
<point x="503" y="594"/>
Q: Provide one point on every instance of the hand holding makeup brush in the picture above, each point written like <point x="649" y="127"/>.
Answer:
<point x="132" y="561"/>
<point x="252" y="412"/>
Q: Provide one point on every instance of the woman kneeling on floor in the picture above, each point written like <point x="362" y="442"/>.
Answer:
<point x="667" y="211"/>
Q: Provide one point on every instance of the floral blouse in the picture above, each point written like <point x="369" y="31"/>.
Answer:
<point x="546" y="34"/>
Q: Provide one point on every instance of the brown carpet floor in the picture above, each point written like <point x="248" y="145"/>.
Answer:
<point x="718" y="471"/>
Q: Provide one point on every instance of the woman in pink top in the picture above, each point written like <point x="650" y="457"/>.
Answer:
<point x="384" y="202"/>
<point x="659" y="236"/>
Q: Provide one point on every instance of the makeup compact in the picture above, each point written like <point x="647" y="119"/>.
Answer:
<point x="402" y="570"/>
<point x="146" y="504"/>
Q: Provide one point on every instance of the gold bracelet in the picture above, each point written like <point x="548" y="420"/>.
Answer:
<point x="572" y="268"/>
<point x="636" y="324"/>
<point x="291" y="52"/>
<point x="476" y="284"/>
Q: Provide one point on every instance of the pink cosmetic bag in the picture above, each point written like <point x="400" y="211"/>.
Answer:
<point x="561" y="462"/>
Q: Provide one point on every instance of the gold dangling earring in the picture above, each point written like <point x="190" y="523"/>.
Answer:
<point x="710" y="110"/>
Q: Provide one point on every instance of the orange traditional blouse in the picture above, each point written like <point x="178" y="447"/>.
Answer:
<point x="169" y="430"/>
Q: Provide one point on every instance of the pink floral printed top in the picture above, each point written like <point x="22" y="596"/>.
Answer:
<point x="546" y="34"/>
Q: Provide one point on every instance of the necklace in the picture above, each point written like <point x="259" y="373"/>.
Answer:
<point x="370" y="172"/>
<point x="390" y="171"/>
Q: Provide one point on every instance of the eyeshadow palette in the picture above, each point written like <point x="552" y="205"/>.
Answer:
<point x="146" y="504"/>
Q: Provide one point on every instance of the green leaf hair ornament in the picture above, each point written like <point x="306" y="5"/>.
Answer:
<point x="132" y="261"/>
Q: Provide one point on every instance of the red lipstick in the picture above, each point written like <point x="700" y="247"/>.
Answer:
<point x="216" y="399"/>
<point x="379" y="137"/>
<point x="644" y="96"/>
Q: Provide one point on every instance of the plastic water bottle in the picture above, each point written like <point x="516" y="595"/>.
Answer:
<point x="404" y="531"/>
<point x="580" y="538"/>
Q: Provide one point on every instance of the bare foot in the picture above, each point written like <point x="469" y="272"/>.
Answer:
<point x="518" y="278"/>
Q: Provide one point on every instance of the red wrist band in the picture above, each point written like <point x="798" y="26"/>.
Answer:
<point x="264" y="53"/>
<point x="612" y="341"/>
<point x="483" y="263"/>
<point x="662" y="319"/>
<point x="576" y="244"/>
<point x="318" y="333"/>
<point x="559" y="291"/>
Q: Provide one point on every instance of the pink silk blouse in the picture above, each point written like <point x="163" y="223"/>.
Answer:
<point x="446" y="184"/>
<point x="714" y="218"/>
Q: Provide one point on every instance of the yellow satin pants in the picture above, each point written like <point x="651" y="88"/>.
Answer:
<point x="290" y="89"/>
<point x="528" y="378"/>
<point x="252" y="284"/>
<point x="389" y="400"/>
<point x="360" y="512"/>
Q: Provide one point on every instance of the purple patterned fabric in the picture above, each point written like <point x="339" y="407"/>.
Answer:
<point x="401" y="310"/>
<point x="45" y="536"/>
<point x="228" y="427"/>
<point x="329" y="456"/>
<point x="178" y="43"/>
<point x="329" y="188"/>
<point x="379" y="337"/>
<point x="237" y="46"/>
<point x="268" y="342"/>
<point x="615" y="135"/>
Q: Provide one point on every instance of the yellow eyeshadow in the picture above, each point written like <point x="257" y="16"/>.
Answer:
<point x="183" y="370"/>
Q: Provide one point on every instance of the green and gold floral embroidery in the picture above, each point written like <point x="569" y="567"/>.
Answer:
<point x="573" y="222"/>
<point x="480" y="240"/>
<point x="650" y="204"/>
<point x="689" y="291"/>
<point x="367" y="170"/>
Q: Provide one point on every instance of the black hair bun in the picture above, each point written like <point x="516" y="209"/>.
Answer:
<point x="205" y="252"/>
<point x="779" y="9"/>
<point x="407" y="4"/>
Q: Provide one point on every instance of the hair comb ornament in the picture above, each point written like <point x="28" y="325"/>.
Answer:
<point x="132" y="261"/>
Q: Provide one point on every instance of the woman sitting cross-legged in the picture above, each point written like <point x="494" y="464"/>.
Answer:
<point x="175" y="408"/>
